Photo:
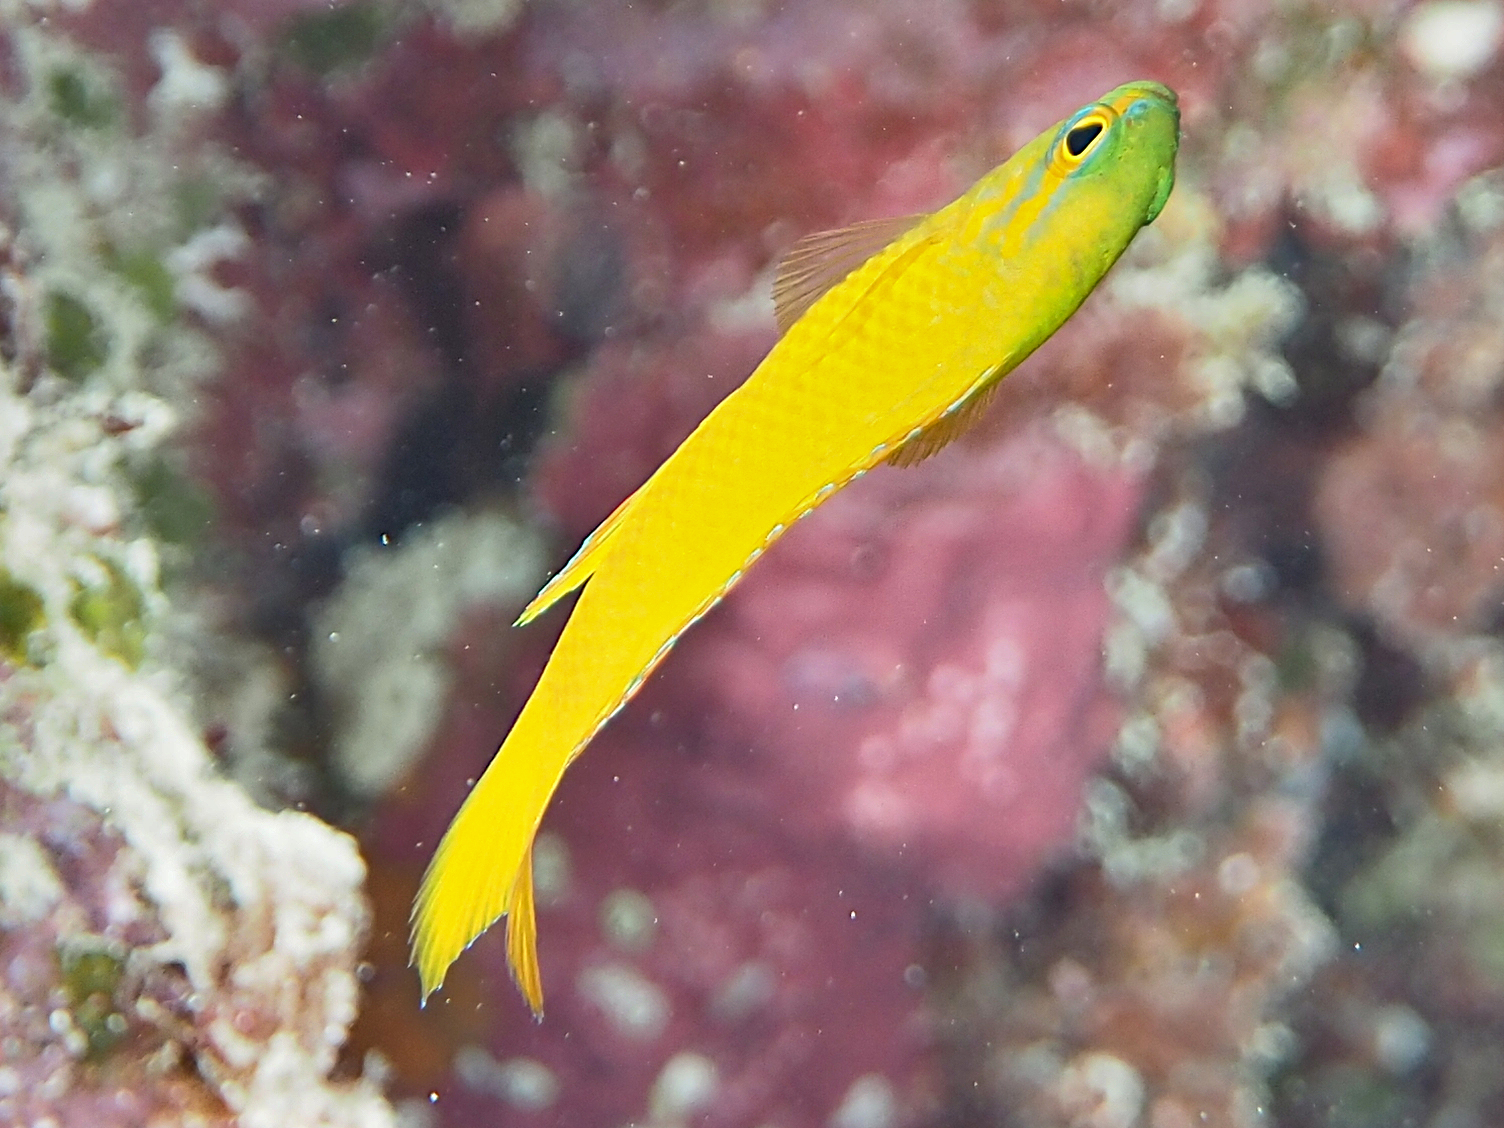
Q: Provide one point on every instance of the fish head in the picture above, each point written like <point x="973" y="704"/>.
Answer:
<point x="1123" y="145"/>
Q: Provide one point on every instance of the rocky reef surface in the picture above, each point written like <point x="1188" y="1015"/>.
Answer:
<point x="1133" y="761"/>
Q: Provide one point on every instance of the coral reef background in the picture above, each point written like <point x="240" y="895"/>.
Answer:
<point x="1135" y="761"/>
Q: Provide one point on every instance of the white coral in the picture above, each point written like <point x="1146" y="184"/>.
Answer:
<point x="262" y="910"/>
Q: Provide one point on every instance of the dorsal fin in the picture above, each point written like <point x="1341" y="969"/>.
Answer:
<point x="817" y="262"/>
<point x="952" y="423"/>
<point x="580" y="566"/>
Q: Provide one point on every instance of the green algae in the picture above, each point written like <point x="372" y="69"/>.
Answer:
<point x="148" y="274"/>
<point x="1354" y="1098"/>
<point x="80" y="101"/>
<point x="113" y="616"/>
<point x="197" y="202"/>
<point x="1296" y="663"/>
<point x="92" y="973"/>
<point x="338" y="39"/>
<point x="175" y="508"/>
<point x="77" y="344"/>
<point x="20" y="614"/>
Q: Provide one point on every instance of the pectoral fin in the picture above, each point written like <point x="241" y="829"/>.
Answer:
<point x="953" y="422"/>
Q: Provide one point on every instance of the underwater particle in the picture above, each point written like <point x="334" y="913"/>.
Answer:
<point x="20" y="614"/>
<point x="628" y="920"/>
<point x="869" y="1103"/>
<point x="337" y="38"/>
<point x="636" y="1007"/>
<point x="76" y="343"/>
<point x="76" y="99"/>
<point x="91" y="975"/>
<point x="687" y="1084"/>
<point x="112" y="616"/>
<point x="1453" y="39"/>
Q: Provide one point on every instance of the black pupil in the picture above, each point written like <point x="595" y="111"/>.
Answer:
<point x="1079" y="138"/>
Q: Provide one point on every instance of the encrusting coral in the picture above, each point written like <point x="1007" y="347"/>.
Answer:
<point x="231" y="932"/>
<point x="1408" y="507"/>
<point x="171" y="950"/>
<point x="1147" y="982"/>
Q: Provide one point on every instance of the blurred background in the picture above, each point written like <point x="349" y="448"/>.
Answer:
<point x="1138" y="760"/>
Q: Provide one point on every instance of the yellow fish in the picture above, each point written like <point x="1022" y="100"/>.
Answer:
<point x="895" y="332"/>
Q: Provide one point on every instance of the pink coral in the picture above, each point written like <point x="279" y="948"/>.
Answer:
<point x="1413" y="515"/>
<point x="1411" y="506"/>
<point x="900" y="703"/>
<point x="919" y="661"/>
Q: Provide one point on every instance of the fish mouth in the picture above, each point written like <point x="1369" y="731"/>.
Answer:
<point x="1140" y="104"/>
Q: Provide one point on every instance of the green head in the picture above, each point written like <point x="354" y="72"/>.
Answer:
<point x="1055" y="216"/>
<point x="1084" y="187"/>
<point x="1128" y="139"/>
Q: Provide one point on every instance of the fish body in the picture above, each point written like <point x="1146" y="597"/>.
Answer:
<point x="885" y="362"/>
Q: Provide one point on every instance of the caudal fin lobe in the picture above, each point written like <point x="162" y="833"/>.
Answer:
<point x="468" y="886"/>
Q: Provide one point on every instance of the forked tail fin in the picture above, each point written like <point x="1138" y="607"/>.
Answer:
<point x="482" y="869"/>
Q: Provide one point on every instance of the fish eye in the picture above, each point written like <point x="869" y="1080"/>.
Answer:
<point x="1080" y="137"/>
